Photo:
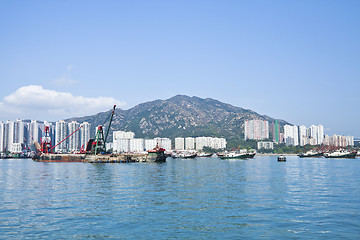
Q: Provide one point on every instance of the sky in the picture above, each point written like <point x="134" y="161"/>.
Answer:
<point x="293" y="60"/>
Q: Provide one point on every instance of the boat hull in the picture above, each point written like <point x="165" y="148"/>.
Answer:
<point x="240" y="156"/>
<point x="315" y="155"/>
<point x="347" y="155"/>
<point x="156" y="157"/>
<point x="50" y="157"/>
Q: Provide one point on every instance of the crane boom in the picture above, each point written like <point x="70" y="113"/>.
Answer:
<point x="66" y="138"/>
<point x="107" y="131"/>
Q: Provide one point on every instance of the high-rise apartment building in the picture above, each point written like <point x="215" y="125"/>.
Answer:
<point x="316" y="135"/>
<point x="121" y="141"/>
<point x="256" y="129"/>
<point x="123" y="134"/>
<point x="276" y="132"/>
<point x="163" y="143"/>
<point x="189" y="143"/>
<point x="179" y="143"/>
<point x="338" y="140"/>
<point x="9" y="134"/>
<point x="303" y="138"/>
<point x="291" y="135"/>
<point x="85" y="134"/>
<point x="136" y="145"/>
<point x="20" y="133"/>
<point x="2" y="136"/>
<point x="60" y="134"/>
<point x="74" y="139"/>
<point x="150" y="144"/>
<point x="215" y="143"/>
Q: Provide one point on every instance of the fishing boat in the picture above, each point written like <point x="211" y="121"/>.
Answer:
<point x="204" y="155"/>
<point x="156" y="155"/>
<point x="236" y="155"/>
<point x="341" y="154"/>
<point x="188" y="155"/>
<point x="310" y="154"/>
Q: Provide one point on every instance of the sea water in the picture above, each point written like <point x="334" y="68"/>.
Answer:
<point x="201" y="198"/>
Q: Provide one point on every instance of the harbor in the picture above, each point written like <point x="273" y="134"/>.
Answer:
<point x="274" y="200"/>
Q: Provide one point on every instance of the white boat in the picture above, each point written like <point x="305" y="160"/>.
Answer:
<point x="236" y="155"/>
<point x="340" y="154"/>
<point x="202" y="154"/>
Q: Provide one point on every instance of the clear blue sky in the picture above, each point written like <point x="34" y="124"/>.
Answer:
<point x="293" y="60"/>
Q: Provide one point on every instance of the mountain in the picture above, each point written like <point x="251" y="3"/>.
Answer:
<point x="179" y="116"/>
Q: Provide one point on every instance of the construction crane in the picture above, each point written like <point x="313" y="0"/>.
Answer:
<point x="97" y="145"/>
<point x="46" y="141"/>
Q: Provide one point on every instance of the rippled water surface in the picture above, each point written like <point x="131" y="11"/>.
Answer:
<point x="181" y="199"/>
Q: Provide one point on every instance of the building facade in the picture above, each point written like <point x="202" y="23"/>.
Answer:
<point x="61" y="132"/>
<point x="291" y="136"/>
<point x="265" y="145"/>
<point x="189" y="143"/>
<point x="256" y="129"/>
<point x="179" y="143"/>
<point x="85" y="134"/>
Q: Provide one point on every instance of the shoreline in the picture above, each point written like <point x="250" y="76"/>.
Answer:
<point x="276" y="154"/>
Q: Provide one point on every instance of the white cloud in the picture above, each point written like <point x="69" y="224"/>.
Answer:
<point x="35" y="99"/>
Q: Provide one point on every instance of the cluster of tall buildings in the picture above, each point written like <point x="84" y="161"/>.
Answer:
<point x="339" y="141"/>
<point x="20" y="135"/>
<point x="76" y="141"/>
<point x="15" y="136"/>
<point x="199" y="143"/>
<point x="314" y="135"/>
<point x="292" y="134"/>
<point x="126" y="142"/>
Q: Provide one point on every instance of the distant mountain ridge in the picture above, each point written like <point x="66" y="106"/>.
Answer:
<point x="179" y="116"/>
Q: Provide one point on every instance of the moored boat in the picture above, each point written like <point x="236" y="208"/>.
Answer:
<point x="204" y="155"/>
<point x="281" y="158"/>
<point x="188" y="155"/>
<point x="311" y="153"/>
<point x="236" y="155"/>
<point x="156" y="155"/>
<point x="340" y="154"/>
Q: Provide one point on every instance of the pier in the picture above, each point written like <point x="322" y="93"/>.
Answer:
<point x="116" y="158"/>
<point x="91" y="158"/>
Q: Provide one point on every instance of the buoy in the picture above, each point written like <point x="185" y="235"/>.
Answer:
<point x="281" y="158"/>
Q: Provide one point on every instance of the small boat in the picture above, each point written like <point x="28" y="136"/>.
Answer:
<point x="236" y="155"/>
<point x="156" y="155"/>
<point x="311" y="153"/>
<point x="340" y="154"/>
<point x="281" y="158"/>
<point x="188" y="155"/>
<point x="204" y="155"/>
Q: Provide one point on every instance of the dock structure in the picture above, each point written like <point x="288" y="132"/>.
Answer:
<point x="91" y="158"/>
<point x="116" y="158"/>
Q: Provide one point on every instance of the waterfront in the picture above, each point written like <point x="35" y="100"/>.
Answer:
<point x="201" y="198"/>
